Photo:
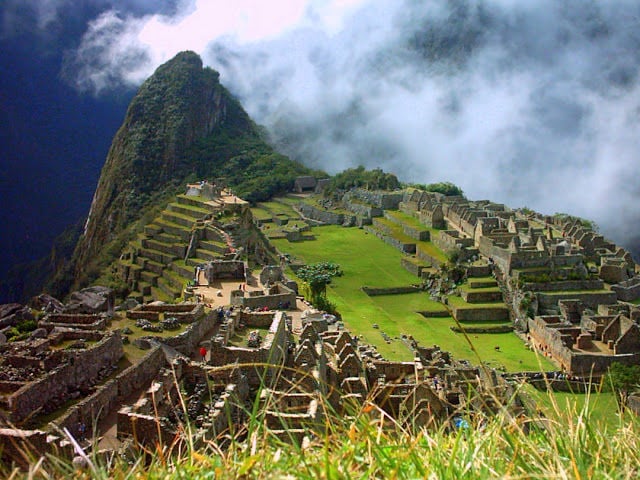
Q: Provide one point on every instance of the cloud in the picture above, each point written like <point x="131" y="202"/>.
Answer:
<point x="103" y="59"/>
<point x="527" y="103"/>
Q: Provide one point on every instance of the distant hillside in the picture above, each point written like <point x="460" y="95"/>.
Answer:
<point x="181" y="125"/>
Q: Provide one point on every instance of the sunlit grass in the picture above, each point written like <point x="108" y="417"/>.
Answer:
<point x="366" y="260"/>
<point x="567" y="441"/>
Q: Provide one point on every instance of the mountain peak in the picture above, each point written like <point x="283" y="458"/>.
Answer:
<point x="179" y="104"/>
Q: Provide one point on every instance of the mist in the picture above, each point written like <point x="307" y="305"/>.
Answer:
<point x="527" y="103"/>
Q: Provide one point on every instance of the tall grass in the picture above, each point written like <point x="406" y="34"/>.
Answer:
<point x="367" y="443"/>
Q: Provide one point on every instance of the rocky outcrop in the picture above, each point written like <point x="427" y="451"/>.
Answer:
<point x="46" y="303"/>
<point x="91" y="300"/>
<point x="13" y="313"/>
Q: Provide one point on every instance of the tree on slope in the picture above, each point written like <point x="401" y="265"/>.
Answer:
<point x="317" y="276"/>
<point x="624" y="379"/>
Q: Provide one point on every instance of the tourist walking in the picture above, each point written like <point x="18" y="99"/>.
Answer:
<point x="203" y="354"/>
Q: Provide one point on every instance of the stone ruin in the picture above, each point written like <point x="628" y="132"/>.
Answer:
<point x="73" y="358"/>
<point x="585" y="343"/>
<point x="224" y="269"/>
<point x="278" y="294"/>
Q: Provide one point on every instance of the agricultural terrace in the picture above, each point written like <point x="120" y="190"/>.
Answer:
<point x="367" y="261"/>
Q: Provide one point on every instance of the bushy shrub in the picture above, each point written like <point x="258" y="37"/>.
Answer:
<point x="27" y="326"/>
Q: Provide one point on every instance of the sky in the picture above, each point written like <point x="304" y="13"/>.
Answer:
<point x="531" y="104"/>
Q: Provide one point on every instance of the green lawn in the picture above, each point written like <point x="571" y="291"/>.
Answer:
<point x="366" y="260"/>
<point x="431" y="250"/>
<point x="394" y="229"/>
<point x="279" y="208"/>
<point x="261" y="213"/>
<point x="603" y="407"/>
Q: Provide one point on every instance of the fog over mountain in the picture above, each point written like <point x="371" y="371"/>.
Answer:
<point x="526" y="103"/>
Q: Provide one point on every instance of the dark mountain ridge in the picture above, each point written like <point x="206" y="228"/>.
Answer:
<point x="182" y="125"/>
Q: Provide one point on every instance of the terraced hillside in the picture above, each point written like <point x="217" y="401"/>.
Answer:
<point x="279" y="218"/>
<point x="161" y="261"/>
<point x="480" y="300"/>
<point x="408" y="235"/>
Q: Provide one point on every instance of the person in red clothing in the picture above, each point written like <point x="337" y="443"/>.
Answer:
<point x="203" y="353"/>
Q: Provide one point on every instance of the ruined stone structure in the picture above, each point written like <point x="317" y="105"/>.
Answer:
<point x="224" y="269"/>
<point x="586" y="344"/>
<point x="38" y="379"/>
<point x="75" y="358"/>
<point x="304" y="184"/>
<point x="427" y="205"/>
<point x="565" y="284"/>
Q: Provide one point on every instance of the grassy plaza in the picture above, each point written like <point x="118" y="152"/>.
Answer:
<point x="367" y="261"/>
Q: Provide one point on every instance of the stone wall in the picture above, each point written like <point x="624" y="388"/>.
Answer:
<point x="139" y="375"/>
<point x="188" y="341"/>
<point x="423" y="255"/>
<point x="403" y="247"/>
<point x="171" y="308"/>
<point x="258" y="364"/>
<point x="633" y="403"/>
<point x="494" y="314"/>
<point x="324" y="216"/>
<point x="89" y="335"/>
<point x="471" y="296"/>
<point x="382" y="227"/>
<point x="361" y="209"/>
<point x="496" y="329"/>
<point x="152" y="316"/>
<point x="416" y="233"/>
<point x="548" y="301"/>
<point x="564" y="285"/>
<point x="382" y="199"/>
<point x="501" y="256"/>
<point x="147" y="430"/>
<point x="77" y="321"/>
<point x="558" y="385"/>
<point x="587" y="364"/>
<point x="52" y="390"/>
<point x="184" y="312"/>
<point x="627" y="291"/>
<point x="413" y="266"/>
<point x="392" y="370"/>
<point x="413" y="232"/>
<point x="450" y="240"/>
<point x="90" y="410"/>
<point x="255" y="319"/>
<point x="276" y="298"/>
<point x="373" y="291"/>
<point x="74" y="318"/>
<point x="14" y="442"/>
<point x="230" y="269"/>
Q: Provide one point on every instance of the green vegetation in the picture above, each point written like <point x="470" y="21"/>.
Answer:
<point x="375" y="179"/>
<point x="316" y="277"/>
<point x="247" y="164"/>
<point x="624" y="379"/>
<point x="570" y="443"/>
<point x="182" y="126"/>
<point x="445" y="188"/>
<point x="396" y="315"/>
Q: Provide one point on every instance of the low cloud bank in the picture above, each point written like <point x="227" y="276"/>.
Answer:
<point x="526" y="103"/>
